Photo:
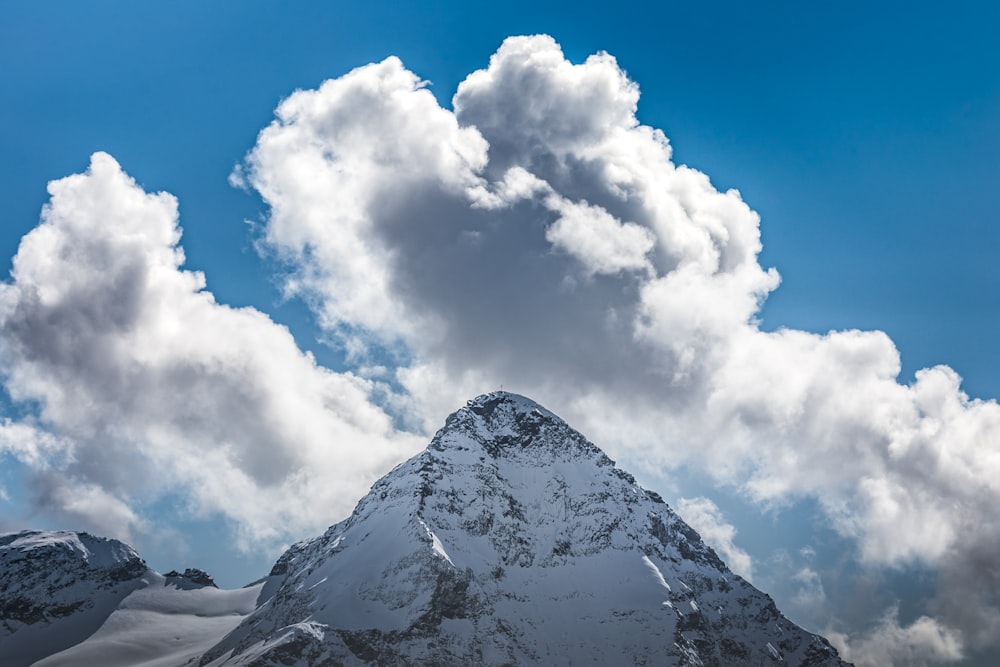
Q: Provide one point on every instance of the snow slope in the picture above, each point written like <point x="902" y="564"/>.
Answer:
<point x="511" y="540"/>
<point x="161" y="625"/>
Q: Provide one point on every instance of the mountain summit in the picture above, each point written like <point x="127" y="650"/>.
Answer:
<point x="511" y="540"/>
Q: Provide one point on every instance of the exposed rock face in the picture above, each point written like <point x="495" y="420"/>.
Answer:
<point x="512" y="540"/>
<point x="56" y="588"/>
<point x="192" y="577"/>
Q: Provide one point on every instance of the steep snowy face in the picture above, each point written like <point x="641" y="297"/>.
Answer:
<point x="56" y="588"/>
<point x="512" y="540"/>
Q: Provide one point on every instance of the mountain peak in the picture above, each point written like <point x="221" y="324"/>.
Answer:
<point x="502" y="413"/>
<point x="511" y="540"/>
<point x="490" y="401"/>
<point x="504" y="424"/>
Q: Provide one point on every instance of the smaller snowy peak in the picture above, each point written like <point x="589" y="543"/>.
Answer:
<point x="33" y="552"/>
<point x="59" y="586"/>
<point x="30" y="540"/>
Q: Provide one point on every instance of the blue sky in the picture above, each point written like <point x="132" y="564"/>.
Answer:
<point x="864" y="136"/>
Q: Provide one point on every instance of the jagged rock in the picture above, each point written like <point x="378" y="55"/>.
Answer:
<point x="192" y="577"/>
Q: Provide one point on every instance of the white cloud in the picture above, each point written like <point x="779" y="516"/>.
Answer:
<point x="344" y="173"/>
<point x="921" y="644"/>
<point x="810" y="596"/>
<point x="76" y="503"/>
<point x="539" y="236"/>
<point x="705" y="517"/>
<point x="33" y="446"/>
<point x="592" y="235"/>
<point x="531" y="102"/>
<point x="157" y="388"/>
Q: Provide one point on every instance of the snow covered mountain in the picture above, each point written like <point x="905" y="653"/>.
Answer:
<point x="511" y="540"/>
<point x="57" y="588"/>
<point x="75" y="600"/>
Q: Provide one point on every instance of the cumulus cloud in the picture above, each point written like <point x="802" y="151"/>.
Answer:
<point x="149" y="386"/>
<point x="538" y="235"/>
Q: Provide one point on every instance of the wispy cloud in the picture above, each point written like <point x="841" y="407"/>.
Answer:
<point x="704" y="516"/>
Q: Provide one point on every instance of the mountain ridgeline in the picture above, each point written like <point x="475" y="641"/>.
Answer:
<point x="510" y="540"/>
